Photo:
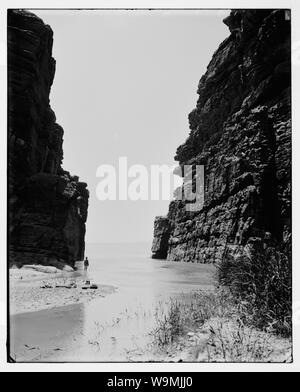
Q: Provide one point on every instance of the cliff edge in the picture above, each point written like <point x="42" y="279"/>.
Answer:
<point x="240" y="131"/>
<point x="47" y="206"/>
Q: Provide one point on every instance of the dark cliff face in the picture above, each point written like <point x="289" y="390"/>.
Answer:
<point x="47" y="206"/>
<point x="240" y="131"/>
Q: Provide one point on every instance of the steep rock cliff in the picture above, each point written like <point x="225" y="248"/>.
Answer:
<point x="47" y="206"/>
<point x="240" y="131"/>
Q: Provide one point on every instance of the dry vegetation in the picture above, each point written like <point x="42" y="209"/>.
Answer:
<point x="211" y="327"/>
<point x="248" y="319"/>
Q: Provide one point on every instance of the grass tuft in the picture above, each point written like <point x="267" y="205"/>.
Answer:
<point x="260" y="282"/>
<point x="216" y="328"/>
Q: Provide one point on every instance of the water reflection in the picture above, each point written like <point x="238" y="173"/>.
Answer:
<point x="46" y="334"/>
<point x="114" y="328"/>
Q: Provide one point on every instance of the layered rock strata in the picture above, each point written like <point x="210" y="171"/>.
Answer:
<point x="47" y="206"/>
<point x="240" y="131"/>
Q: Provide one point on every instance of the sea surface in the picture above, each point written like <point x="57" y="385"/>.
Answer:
<point x="116" y="328"/>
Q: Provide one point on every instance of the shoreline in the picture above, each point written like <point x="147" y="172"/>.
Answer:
<point x="192" y="326"/>
<point x="199" y="327"/>
<point x="31" y="290"/>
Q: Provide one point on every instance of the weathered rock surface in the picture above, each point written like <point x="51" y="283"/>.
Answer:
<point x="162" y="231"/>
<point x="240" y="131"/>
<point x="47" y="206"/>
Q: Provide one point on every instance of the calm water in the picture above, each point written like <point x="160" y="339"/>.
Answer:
<point x="115" y="328"/>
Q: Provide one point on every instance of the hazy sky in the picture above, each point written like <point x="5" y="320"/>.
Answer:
<point x="125" y="82"/>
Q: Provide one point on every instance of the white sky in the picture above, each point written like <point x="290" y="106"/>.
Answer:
<point x="124" y="85"/>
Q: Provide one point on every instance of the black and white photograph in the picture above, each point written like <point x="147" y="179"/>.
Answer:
<point x="149" y="186"/>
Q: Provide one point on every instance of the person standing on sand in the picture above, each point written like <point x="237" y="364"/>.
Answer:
<point x="86" y="264"/>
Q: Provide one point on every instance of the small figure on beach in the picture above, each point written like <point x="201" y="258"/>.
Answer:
<point x="86" y="264"/>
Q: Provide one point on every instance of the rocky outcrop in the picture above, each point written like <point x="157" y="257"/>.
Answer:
<point x="47" y="206"/>
<point x="240" y="131"/>
<point x="162" y="230"/>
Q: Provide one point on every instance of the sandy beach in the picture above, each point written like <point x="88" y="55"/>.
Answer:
<point x="33" y="289"/>
<point x="67" y="324"/>
<point x="50" y="323"/>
